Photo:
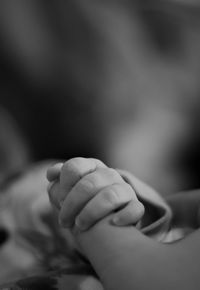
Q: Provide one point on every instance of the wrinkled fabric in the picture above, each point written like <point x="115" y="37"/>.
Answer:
<point x="37" y="254"/>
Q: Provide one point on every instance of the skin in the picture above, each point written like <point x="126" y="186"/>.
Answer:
<point x="186" y="209"/>
<point x="123" y="257"/>
<point x="126" y="259"/>
<point x="86" y="190"/>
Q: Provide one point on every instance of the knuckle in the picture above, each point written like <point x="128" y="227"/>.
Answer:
<point x="111" y="195"/>
<point x="67" y="166"/>
<point x="85" y="184"/>
<point x="98" y="162"/>
<point x="73" y="164"/>
<point x="113" y="173"/>
<point x="128" y="188"/>
<point x="72" y="168"/>
<point x="78" y="161"/>
<point x="96" y="179"/>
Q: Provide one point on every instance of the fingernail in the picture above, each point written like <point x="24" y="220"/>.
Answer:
<point x="116" y="220"/>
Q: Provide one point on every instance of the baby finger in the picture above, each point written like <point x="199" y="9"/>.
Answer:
<point x="130" y="214"/>
<point x="105" y="202"/>
<point x="54" y="172"/>
<point x="53" y="189"/>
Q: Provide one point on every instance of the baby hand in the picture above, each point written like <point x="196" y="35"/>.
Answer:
<point x="85" y="190"/>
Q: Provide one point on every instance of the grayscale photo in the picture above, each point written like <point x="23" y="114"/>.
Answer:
<point x="100" y="145"/>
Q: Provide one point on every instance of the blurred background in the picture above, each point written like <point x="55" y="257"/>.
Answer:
<point x="115" y="80"/>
